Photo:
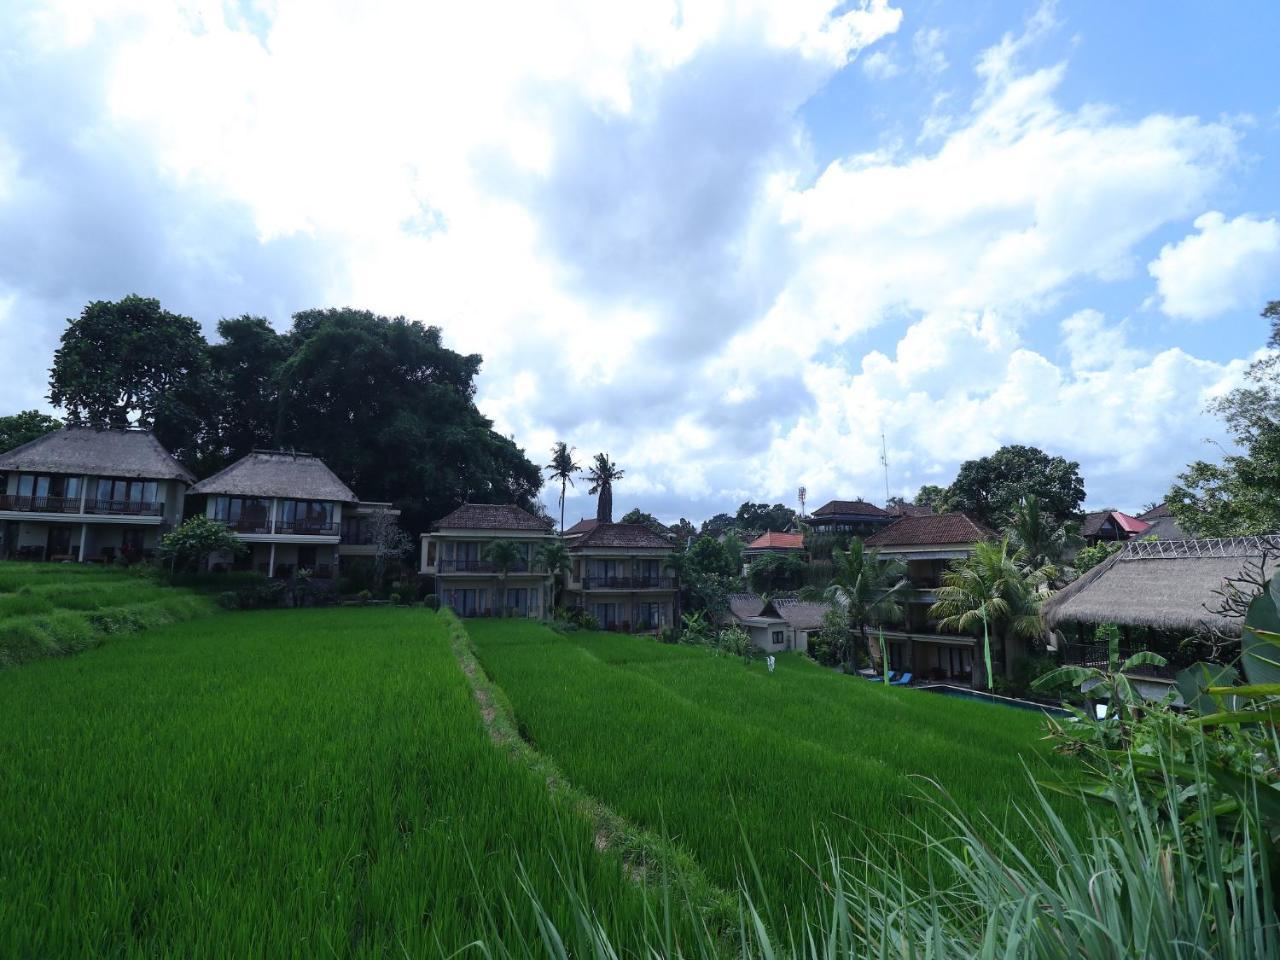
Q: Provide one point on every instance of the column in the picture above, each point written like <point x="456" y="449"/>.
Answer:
<point x="84" y="530"/>
<point x="271" y="559"/>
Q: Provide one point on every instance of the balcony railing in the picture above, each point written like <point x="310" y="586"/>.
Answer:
<point x="628" y="583"/>
<point x="481" y="566"/>
<point x="1096" y="655"/>
<point x="312" y="528"/>
<point x="124" y="508"/>
<point x="248" y="525"/>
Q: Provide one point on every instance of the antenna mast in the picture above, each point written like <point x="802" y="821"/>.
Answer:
<point x="803" y="495"/>
<point x="884" y="459"/>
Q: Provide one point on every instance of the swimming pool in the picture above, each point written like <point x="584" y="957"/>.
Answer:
<point x="960" y="693"/>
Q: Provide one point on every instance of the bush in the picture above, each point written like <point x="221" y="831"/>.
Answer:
<point x="394" y="598"/>
<point x="431" y="601"/>
<point x="229" y="600"/>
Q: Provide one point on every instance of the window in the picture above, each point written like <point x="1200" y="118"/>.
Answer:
<point x="779" y="638"/>
<point x="242" y="513"/>
<point x="648" y="615"/>
<point x="305" y="514"/>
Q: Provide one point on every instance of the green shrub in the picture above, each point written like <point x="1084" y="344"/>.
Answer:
<point x="431" y="601"/>
<point x="22" y="604"/>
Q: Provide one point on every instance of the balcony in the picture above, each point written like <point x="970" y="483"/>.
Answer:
<point x="481" y="566"/>
<point x="628" y="583"/>
<point x="1096" y="655"/>
<point x="310" y="528"/>
<point x="120" y="508"/>
<point x="247" y="524"/>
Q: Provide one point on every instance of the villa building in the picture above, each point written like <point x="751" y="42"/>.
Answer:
<point x="619" y="575"/>
<point x="927" y="544"/>
<point x="87" y="495"/>
<point x="286" y="506"/>
<point x="357" y="537"/>
<point x="779" y="624"/>
<point x="844" y="518"/>
<point x="456" y="554"/>
<point x="1161" y="525"/>
<point x="782" y="544"/>
<point x="1112" y="526"/>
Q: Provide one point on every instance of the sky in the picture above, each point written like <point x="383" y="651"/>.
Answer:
<point x="731" y="244"/>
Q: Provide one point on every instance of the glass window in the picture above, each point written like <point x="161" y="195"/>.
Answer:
<point x="26" y="483"/>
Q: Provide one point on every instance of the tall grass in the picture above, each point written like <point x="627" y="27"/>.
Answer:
<point x="55" y="609"/>
<point x="283" y="783"/>
<point x="727" y="759"/>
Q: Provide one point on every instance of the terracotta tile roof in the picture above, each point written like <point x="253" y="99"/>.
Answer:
<point x="1094" y="520"/>
<point x="849" y="507"/>
<point x="910" y="510"/>
<point x="108" y="453"/>
<point x="777" y="541"/>
<point x="582" y="526"/>
<point x="937" y="528"/>
<point x="620" y="535"/>
<point x="492" y="516"/>
<point x="278" y="473"/>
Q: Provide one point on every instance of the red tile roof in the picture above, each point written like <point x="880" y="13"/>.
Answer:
<point x="939" y="528"/>
<point x="620" y="535"/>
<point x="582" y="526"/>
<point x="1094" y="521"/>
<point x="777" y="541"/>
<point x="855" y="507"/>
<point x="492" y="516"/>
<point x="910" y="510"/>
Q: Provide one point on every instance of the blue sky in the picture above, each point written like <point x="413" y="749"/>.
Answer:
<point x="729" y="244"/>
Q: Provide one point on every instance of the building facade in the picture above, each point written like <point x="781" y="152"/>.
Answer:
<point x="456" y="553"/>
<point x="777" y="625"/>
<point x="286" y="507"/>
<point x="927" y="544"/>
<point x="87" y="495"/>
<point x="846" y="518"/>
<point x="619" y="575"/>
<point x="362" y="525"/>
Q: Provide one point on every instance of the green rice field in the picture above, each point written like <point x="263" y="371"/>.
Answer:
<point x="730" y="760"/>
<point x="49" y="609"/>
<point x="304" y="783"/>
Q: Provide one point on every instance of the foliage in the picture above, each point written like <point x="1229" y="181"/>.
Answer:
<point x="638" y="516"/>
<point x="561" y="469"/>
<point x="505" y="556"/>
<point x="833" y="644"/>
<point x="1239" y="496"/>
<point x="776" y="571"/>
<point x="1110" y="683"/>
<point x="1042" y="540"/>
<point x="189" y="545"/>
<point x="990" y="488"/>
<point x="1089" y="557"/>
<point x="389" y="542"/>
<point x="718" y="525"/>
<point x="553" y="557"/>
<point x="684" y="530"/>
<point x="133" y="360"/>
<point x="933" y="496"/>
<point x="603" y="473"/>
<point x="760" y="517"/>
<point x="871" y="590"/>
<point x="24" y="427"/>
<point x="994" y="591"/>
<point x="242" y="411"/>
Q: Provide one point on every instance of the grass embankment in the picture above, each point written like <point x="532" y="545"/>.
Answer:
<point x="724" y="757"/>
<point x="49" y="609"/>
<point x="283" y="783"/>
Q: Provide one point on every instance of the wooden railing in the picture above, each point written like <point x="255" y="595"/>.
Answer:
<point x="1096" y="655"/>
<point x="308" y="527"/>
<point x="124" y="508"/>
<point x="628" y="583"/>
<point x="132" y="508"/>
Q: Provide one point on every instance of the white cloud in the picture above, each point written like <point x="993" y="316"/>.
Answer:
<point x="880" y="65"/>
<point x="1228" y="265"/>
<point x="926" y="45"/>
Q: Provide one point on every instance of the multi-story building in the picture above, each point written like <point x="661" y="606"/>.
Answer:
<point x="287" y="507"/>
<point x="458" y="554"/>
<point x="927" y="544"/>
<point x="845" y="518"/>
<point x="619" y="575"/>
<point x="80" y="494"/>
<point x="771" y="543"/>
<point x="362" y="525"/>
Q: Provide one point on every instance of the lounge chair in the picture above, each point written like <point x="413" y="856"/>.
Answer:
<point x="879" y="677"/>
<point x="902" y="680"/>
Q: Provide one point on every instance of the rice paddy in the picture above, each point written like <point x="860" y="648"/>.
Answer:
<point x="285" y="783"/>
<point x="54" y="609"/>
<point x="755" y="773"/>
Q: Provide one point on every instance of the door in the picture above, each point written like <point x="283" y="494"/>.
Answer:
<point x="59" y="543"/>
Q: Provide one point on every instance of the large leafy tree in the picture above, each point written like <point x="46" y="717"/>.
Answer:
<point x="684" y="530"/>
<point x="636" y="515"/>
<point x="133" y="361"/>
<point x="759" y="517"/>
<point x="24" y="427"/>
<point x="871" y="590"/>
<point x="718" y="525"/>
<point x="933" y="496"/>
<point x="775" y="571"/>
<point x="554" y="559"/>
<point x="391" y="410"/>
<point x="990" y="488"/>
<point x="562" y="468"/>
<point x="995" y="594"/>
<point x="246" y="366"/>
<point x="1239" y="496"/>
<point x="1041" y="539"/>
<point x="603" y="473"/>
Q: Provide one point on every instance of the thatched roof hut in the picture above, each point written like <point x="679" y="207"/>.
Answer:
<point x="1163" y="584"/>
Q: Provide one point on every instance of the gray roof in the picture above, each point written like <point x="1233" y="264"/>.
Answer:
<point x="623" y="535"/>
<point x="801" y="614"/>
<point x="1165" y="584"/>
<point x="1164" y="528"/>
<point x="492" y="516"/>
<point x="111" y="453"/>
<point x="743" y="605"/>
<point x="278" y="473"/>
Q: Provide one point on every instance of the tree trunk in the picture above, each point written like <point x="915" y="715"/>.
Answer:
<point x="562" y="482"/>
<point x="604" y="504"/>
<point x="874" y="654"/>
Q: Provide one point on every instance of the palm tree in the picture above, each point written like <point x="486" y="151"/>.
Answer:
<point x="1034" y="532"/>
<point x="504" y="555"/>
<point x="553" y="558"/>
<point x="602" y="473"/>
<point x="871" y="589"/>
<point x="562" y="467"/>
<point x="996" y="589"/>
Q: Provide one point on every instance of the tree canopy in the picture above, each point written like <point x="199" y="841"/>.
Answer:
<point x="990" y="488"/>
<point x="24" y="427"/>
<point x="1239" y="496"/>
<point x="760" y="517"/>
<point x="602" y="473"/>
<point x="932" y="495"/>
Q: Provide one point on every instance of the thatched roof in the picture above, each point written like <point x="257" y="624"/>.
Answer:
<point x="1164" y="584"/>
<point x="744" y="605"/>
<point x="107" y="453"/>
<point x="278" y="473"/>
<point x="801" y="614"/>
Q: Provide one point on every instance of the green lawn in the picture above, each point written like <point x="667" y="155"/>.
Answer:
<point x="723" y="756"/>
<point x="286" y="783"/>
<point x="49" y="609"/>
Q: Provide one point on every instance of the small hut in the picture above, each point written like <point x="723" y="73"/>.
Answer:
<point x="1159" y="593"/>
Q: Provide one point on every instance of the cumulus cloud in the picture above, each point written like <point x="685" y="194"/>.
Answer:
<point x="880" y="65"/>
<point x="620" y="207"/>
<point x="1225" y="266"/>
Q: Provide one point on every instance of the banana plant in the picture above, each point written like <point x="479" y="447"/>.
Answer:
<point x="1113" y="683"/>
<point x="1260" y="661"/>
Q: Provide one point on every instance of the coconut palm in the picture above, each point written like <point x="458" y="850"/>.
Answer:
<point x="994" y="589"/>
<point x="554" y="559"/>
<point x="505" y="556"/>
<point x="602" y="473"/>
<point x="871" y="591"/>
<point x="562" y="467"/>
<point x="1042" y="540"/>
